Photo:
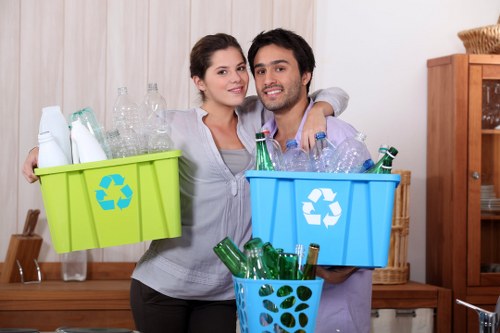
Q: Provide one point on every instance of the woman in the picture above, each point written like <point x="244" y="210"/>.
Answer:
<point x="179" y="285"/>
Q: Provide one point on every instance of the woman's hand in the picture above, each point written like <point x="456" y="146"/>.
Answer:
<point x="30" y="164"/>
<point x="335" y="274"/>
<point x="315" y="122"/>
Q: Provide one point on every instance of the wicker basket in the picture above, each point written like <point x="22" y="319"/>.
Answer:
<point x="397" y="270"/>
<point x="483" y="40"/>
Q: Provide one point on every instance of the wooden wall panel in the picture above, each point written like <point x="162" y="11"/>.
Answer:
<point x="76" y="53"/>
<point x="126" y="65"/>
<point x="9" y="113"/>
<point x="248" y="20"/>
<point x="41" y="82"/>
<point x="85" y="61"/>
<point x="169" y="45"/>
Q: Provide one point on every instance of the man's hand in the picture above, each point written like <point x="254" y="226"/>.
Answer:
<point x="335" y="274"/>
<point x="30" y="164"/>
<point x="315" y="122"/>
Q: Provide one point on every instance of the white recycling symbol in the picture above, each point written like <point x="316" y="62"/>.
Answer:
<point x="334" y="207"/>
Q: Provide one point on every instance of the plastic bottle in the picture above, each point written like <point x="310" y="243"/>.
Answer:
<point x="89" y="120"/>
<point x="382" y="150"/>
<point x="262" y="160"/>
<point x="350" y="155"/>
<point x="295" y="158"/>
<point x="127" y="119"/>
<point x="53" y="121"/>
<point x="50" y="153"/>
<point x="274" y="149"/>
<point x="89" y="149"/>
<point x="232" y="257"/>
<point x="159" y="140"/>
<point x="321" y="156"/>
<point x="153" y="111"/>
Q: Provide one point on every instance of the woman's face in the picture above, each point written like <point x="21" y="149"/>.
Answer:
<point x="226" y="80"/>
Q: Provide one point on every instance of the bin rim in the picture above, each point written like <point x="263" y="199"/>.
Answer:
<point x="322" y="176"/>
<point x="316" y="281"/>
<point x="108" y="163"/>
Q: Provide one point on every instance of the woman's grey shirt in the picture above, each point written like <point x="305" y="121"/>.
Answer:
<point x="214" y="204"/>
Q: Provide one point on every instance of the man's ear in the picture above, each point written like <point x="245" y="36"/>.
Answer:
<point x="306" y="78"/>
<point x="199" y="83"/>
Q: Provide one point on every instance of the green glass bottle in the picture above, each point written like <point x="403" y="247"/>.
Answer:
<point x="232" y="257"/>
<point x="263" y="160"/>
<point x="271" y="259"/>
<point x="287" y="265"/>
<point x="256" y="268"/>
<point x="384" y="165"/>
<point x="311" y="262"/>
<point x="255" y="242"/>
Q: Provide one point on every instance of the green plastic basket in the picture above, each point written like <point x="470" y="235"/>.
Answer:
<point x="113" y="202"/>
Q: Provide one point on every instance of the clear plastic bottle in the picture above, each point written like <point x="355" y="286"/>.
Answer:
<point x="127" y="119"/>
<point x="321" y="155"/>
<point x="295" y="158"/>
<point x="274" y="149"/>
<point x="50" y="153"/>
<point x="350" y="155"/>
<point x="89" y="120"/>
<point x="153" y="112"/>
<point x="122" y="146"/>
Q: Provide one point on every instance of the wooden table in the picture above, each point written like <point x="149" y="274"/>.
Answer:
<point x="413" y="295"/>
<point x="105" y="303"/>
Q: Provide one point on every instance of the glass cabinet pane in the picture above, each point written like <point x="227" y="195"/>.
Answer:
<point x="490" y="177"/>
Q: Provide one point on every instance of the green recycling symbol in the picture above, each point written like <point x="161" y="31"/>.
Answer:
<point x="107" y="182"/>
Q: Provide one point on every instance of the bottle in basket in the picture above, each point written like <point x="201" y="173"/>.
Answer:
<point x="256" y="268"/>
<point x="274" y="149"/>
<point x="271" y="259"/>
<point x="321" y="156"/>
<point x="384" y="165"/>
<point x="311" y="262"/>
<point x="232" y="257"/>
<point x="288" y="265"/>
<point x="263" y="160"/>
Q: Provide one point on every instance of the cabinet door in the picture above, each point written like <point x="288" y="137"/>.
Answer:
<point x="483" y="234"/>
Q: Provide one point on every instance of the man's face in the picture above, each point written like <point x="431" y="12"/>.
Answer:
<point x="277" y="78"/>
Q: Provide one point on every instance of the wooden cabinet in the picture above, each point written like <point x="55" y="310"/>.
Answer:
<point x="463" y="181"/>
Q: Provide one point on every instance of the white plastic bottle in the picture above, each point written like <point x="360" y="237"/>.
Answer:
<point x="49" y="153"/>
<point x="295" y="158"/>
<point x="53" y="121"/>
<point x="89" y="149"/>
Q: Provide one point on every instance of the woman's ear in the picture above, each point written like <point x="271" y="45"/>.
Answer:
<point x="199" y="83"/>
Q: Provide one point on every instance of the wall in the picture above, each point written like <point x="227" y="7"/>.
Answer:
<point x="377" y="51"/>
<point x="76" y="53"/>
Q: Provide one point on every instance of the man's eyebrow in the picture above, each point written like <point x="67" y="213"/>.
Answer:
<point x="274" y="62"/>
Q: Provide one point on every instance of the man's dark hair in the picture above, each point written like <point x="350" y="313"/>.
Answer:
<point x="289" y="40"/>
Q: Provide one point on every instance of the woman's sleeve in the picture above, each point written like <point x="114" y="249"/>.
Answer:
<point x="334" y="96"/>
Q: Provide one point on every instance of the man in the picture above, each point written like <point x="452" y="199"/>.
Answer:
<point x="282" y="64"/>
